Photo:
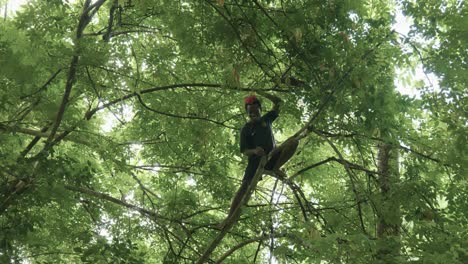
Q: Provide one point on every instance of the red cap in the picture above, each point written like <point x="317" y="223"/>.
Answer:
<point x="250" y="100"/>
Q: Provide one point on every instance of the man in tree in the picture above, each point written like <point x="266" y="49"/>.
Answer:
<point x="257" y="140"/>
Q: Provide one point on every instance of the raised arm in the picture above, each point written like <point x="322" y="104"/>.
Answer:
<point x="277" y="102"/>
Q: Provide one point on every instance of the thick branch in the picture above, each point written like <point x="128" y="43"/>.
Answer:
<point x="36" y="133"/>
<point x="85" y="18"/>
<point x="232" y="218"/>
<point x="110" y="22"/>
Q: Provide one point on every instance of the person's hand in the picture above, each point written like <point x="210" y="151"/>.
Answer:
<point x="259" y="151"/>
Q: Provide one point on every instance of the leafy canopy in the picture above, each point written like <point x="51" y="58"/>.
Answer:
<point x="120" y="123"/>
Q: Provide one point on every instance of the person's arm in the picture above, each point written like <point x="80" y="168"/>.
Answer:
<point x="277" y="102"/>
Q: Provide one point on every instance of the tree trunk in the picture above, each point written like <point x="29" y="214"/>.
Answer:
<point x="389" y="216"/>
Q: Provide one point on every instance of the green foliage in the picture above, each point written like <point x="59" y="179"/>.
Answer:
<point x="145" y="158"/>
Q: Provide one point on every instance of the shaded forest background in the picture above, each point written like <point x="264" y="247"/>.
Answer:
<point x="120" y="121"/>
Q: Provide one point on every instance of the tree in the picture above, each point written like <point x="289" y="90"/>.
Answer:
<point x="120" y="123"/>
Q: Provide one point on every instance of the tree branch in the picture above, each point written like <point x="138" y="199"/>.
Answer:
<point x="90" y="113"/>
<point x="85" y="18"/>
<point x="47" y="83"/>
<point x="117" y="201"/>
<point x="183" y="117"/>
<point x="234" y="216"/>
<point x="38" y="134"/>
<point x="334" y="87"/>
<point x="341" y="161"/>
<point x="107" y="35"/>
<point x="260" y="65"/>
<point x="353" y="185"/>
<point x="353" y="134"/>
<point x="248" y="241"/>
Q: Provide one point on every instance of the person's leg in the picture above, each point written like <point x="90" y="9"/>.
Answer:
<point x="281" y="155"/>
<point x="274" y="156"/>
<point x="288" y="149"/>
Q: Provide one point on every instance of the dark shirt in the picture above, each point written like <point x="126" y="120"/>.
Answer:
<point x="257" y="134"/>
